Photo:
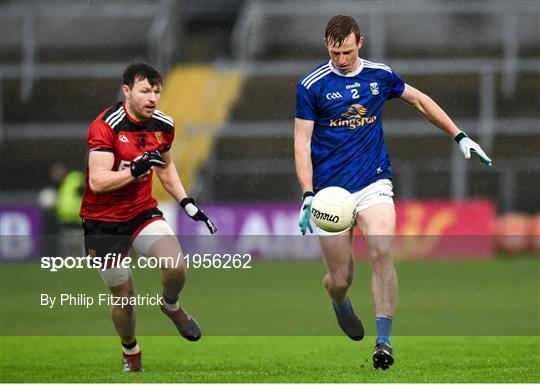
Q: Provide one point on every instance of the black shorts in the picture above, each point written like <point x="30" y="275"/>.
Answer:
<point x="102" y="238"/>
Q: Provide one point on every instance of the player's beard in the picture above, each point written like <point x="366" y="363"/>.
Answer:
<point x="147" y="112"/>
<point x="140" y="113"/>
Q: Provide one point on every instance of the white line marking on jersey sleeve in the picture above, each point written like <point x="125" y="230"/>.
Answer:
<point x="166" y="117"/>
<point x="163" y="120"/>
<point x="318" y="78"/>
<point x="113" y="115"/>
<point x="314" y="74"/>
<point x="118" y="120"/>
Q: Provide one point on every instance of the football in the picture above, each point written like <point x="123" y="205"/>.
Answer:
<point x="333" y="209"/>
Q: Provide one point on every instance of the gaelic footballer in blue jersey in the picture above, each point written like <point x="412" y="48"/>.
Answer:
<point x="347" y="145"/>
<point x="339" y="141"/>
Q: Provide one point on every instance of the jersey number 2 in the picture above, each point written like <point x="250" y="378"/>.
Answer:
<point x="354" y="93"/>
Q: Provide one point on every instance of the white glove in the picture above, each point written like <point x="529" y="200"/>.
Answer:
<point x="305" y="213"/>
<point x="467" y="145"/>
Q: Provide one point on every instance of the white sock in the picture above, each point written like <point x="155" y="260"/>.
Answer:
<point x="134" y="350"/>
<point x="171" y="307"/>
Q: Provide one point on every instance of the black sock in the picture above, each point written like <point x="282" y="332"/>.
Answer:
<point x="131" y="345"/>
<point x="169" y="300"/>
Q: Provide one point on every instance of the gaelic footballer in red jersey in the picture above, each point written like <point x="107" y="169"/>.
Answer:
<point x="127" y="143"/>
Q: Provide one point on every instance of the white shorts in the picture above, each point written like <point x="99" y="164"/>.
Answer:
<point x="141" y="244"/>
<point x="380" y="191"/>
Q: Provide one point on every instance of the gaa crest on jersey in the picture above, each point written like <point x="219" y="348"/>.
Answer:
<point x="159" y="136"/>
<point x="374" y="88"/>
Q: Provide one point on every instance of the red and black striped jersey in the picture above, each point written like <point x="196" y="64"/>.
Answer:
<point x="115" y="131"/>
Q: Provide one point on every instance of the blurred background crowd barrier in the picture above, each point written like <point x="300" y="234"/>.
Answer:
<point x="231" y="69"/>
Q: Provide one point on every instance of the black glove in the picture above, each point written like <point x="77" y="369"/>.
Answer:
<point x="188" y="204"/>
<point x="141" y="165"/>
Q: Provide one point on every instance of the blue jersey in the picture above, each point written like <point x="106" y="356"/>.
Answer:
<point x="347" y="146"/>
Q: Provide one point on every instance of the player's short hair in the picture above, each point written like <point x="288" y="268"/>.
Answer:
<point x="339" y="27"/>
<point x="141" y="71"/>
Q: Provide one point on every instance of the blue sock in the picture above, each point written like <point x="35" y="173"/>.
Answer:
<point x="343" y="309"/>
<point x="384" y="324"/>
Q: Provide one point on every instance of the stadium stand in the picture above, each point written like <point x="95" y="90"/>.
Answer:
<point x="480" y="60"/>
<point x="58" y="71"/>
<point x="198" y="98"/>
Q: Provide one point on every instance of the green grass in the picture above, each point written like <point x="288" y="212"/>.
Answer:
<point x="274" y="323"/>
<point x="271" y="359"/>
<point x="500" y="297"/>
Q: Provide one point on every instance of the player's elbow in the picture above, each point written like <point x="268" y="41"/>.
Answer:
<point x="302" y="156"/>
<point x="302" y="147"/>
<point x="163" y="176"/>
<point x="421" y="102"/>
<point x="95" y="186"/>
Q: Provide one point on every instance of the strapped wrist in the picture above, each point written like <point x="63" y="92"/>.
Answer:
<point x="188" y="204"/>
<point x="184" y="202"/>
<point x="306" y="194"/>
<point x="460" y="136"/>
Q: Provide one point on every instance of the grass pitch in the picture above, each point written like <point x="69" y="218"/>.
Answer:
<point x="455" y="322"/>
<point x="272" y="359"/>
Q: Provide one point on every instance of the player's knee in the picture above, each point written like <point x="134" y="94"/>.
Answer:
<point x="122" y="291"/>
<point x="121" y="300"/>
<point x="175" y="272"/>
<point x="343" y="284"/>
<point x="381" y="253"/>
<point x="123" y="305"/>
<point x="339" y="281"/>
